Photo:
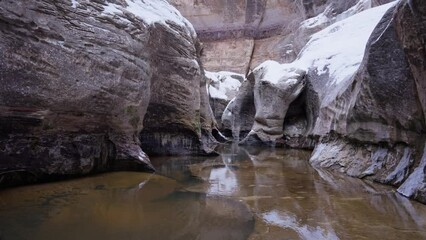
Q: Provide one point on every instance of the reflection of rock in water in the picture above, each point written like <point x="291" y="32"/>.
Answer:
<point x="290" y="198"/>
<point x="247" y="193"/>
<point x="129" y="206"/>
<point x="290" y="221"/>
<point x="213" y="217"/>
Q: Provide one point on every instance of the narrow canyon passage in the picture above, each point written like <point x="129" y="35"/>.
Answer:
<point x="245" y="193"/>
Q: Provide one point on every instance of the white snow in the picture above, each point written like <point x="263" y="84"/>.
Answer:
<point x="150" y="11"/>
<point x="339" y="49"/>
<point x="327" y="17"/>
<point x="275" y="72"/>
<point x="223" y="85"/>
<point x="318" y="20"/>
<point x="74" y="3"/>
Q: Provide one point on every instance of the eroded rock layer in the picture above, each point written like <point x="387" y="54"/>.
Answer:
<point x="381" y="133"/>
<point x="78" y="77"/>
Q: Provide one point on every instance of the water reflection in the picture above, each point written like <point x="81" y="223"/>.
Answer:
<point x="288" y="220"/>
<point x="246" y="193"/>
<point x="292" y="200"/>
<point x="120" y="206"/>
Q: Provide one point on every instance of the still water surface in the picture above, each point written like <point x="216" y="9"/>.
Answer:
<point x="245" y="193"/>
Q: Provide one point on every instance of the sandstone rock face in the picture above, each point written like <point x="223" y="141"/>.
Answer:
<point x="276" y="87"/>
<point x="331" y="70"/>
<point x="379" y="118"/>
<point x="173" y="124"/>
<point x="77" y="79"/>
<point x="229" y="29"/>
<point x="329" y="73"/>
<point x="240" y="35"/>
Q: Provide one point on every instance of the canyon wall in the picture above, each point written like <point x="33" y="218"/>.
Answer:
<point x="239" y="35"/>
<point x="375" y="128"/>
<point x="80" y="79"/>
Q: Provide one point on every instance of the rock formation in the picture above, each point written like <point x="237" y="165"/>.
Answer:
<point x="78" y="77"/>
<point x="382" y="135"/>
<point x="365" y="106"/>
<point x="238" y="117"/>
<point x="276" y="87"/>
<point x="222" y="88"/>
<point x="179" y="114"/>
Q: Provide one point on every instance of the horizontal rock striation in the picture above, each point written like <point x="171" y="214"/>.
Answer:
<point x="78" y="78"/>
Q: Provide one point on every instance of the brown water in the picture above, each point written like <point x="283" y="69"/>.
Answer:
<point x="242" y="194"/>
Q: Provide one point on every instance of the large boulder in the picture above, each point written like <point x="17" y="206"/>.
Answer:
<point x="77" y="78"/>
<point x="276" y="87"/>
<point x="331" y="69"/>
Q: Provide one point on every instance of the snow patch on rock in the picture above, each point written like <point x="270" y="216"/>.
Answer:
<point x="74" y="3"/>
<point x="224" y="85"/>
<point x="150" y="12"/>
<point x="339" y="49"/>
<point x="328" y="17"/>
<point x="275" y="72"/>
